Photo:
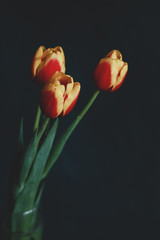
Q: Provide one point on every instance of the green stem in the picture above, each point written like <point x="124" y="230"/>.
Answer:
<point x="59" y="144"/>
<point x="86" y="108"/>
<point x="38" y="115"/>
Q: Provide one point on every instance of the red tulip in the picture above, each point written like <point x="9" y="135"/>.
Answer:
<point x="46" y="62"/>
<point x="59" y="95"/>
<point x="110" y="72"/>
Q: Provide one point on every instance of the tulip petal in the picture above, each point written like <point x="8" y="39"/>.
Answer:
<point x="116" y="66"/>
<point x="60" y="57"/>
<point x="37" y="60"/>
<point x="46" y="70"/>
<point x="46" y="52"/>
<point x="120" y="77"/>
<point x="63" y="79"/>
<point x="71" y="99"/>
<point x="114" y="54"/>
<point x="51" y="100"/>
<point x="67" y="81"/>
<point x="102" y="75"/>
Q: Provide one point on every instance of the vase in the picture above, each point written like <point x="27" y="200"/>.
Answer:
<point x="25" y="225"/>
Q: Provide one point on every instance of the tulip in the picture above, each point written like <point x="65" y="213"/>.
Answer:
<point x="110" y="72"/>
<point x="59" y="95"/>
<point x="46" y="62"/>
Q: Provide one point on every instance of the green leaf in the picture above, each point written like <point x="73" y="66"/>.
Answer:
<point x="27" y="160"/>
<point x="39" y="193"/>
<point x="60" y="143"/>
<point x="27" y="197"/>
<point x="42" y="155"/>
<point x="37" y="119"/>
<point x="43" y="128"/>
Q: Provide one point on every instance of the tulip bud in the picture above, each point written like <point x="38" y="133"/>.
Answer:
<point x="46" y="62"/>
<point x="110" y="72"/>
<point x="59" y="95"/>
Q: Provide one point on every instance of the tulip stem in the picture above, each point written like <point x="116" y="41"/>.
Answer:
<point x="36" y="123"/>
<point x="86" y="108"/>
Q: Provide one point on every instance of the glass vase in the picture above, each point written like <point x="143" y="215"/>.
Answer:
<point x="25" y="225"/>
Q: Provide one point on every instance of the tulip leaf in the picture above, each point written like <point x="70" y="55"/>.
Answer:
<point x="33" y="182"/>
<point x="27" y="160"/>
<point x="43" y="128"/>
<point x="39" y="193"/>
<point x="30" y="153"/>
<point x="42" y="155"/>
<point x="36" y="123"/>
<point x="60" y="143"/>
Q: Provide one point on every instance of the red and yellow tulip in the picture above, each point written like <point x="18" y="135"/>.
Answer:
<point x="59" y="95"/>
<point x="110" y="72"/>
<point x="46" y="62"/>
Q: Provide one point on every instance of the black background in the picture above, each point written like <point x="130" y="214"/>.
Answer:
<point x="106" y="183"/>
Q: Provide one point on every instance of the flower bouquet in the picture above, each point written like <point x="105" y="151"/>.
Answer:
<point x="32" y="163"/>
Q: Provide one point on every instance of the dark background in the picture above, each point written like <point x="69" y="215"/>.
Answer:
<point x="106" y="183"/>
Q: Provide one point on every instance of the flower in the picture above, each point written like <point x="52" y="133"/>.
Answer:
<point x="110" y="72"/>
<point x="59" y="95"/>
<point x="46" y="62"/>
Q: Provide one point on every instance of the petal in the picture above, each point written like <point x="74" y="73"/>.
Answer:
<point x="114" y="54"/>
<point x="102" y="75"/>
<point x="46" y="69"/>
<point x="55" y="76"/>
<point x="63" y="79"/>
<point x="71" y="99"/>
<point x="67" y="81"/>
<point x="51" y="100"/>
<point x="121" y="77"/>
<point x="60" y="56"/>
<point x="116" y="66"/>
<point x="37" y="60"/>
<point x="46" y="53"/>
